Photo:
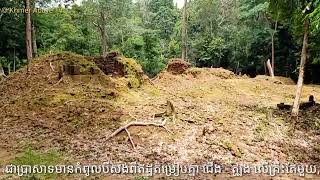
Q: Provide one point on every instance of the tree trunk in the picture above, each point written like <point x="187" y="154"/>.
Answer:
<point x="295" y="109"/>
<point x="271" y="73"/>
<point x="265" y="68"/>
<point x="273" y="51"/>
<point x="184" y="31"/>
<point x="9" y="69"/>
<point x="1" y="72"/>
<point x="272" y="60"/>
<point x="28" y="34"/>
<point x="14" y="59"/>
<point x="102" y="28"/>
<point x="34" y="41"/>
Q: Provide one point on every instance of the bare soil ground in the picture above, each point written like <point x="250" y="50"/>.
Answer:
<point x="219" y="117"/>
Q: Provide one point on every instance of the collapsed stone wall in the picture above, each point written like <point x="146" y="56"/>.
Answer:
<point x="178" y="66"/>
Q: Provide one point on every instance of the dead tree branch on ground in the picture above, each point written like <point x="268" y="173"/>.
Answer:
<point x="169" y="111"/>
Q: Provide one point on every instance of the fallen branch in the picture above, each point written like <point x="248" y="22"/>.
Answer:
<point x="137" y="124"/>
<point x="170" y="111"/>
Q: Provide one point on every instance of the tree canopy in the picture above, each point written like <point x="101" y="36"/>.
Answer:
<point x="232" y="34"/>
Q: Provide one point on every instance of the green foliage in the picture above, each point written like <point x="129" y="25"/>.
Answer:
<point x="59" y="32"/>
<point x="211" y="50"/>
<point x="134" y="47"/>
<point x="229" y="34"/>
<point x="294" y="14"/>
<point x="34" y="158"/>
<point x="164" y="21"/>
<point x="315" y="17"/>
<point x="174" y="48"/>
<point x="3" y="61"/>
<point x="30" y="157"/>
<point x="222" y="34"/>
<point x="11" y="35"/>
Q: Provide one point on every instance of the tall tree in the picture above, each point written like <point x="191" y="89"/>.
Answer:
<point x="273" y="49"/>
<point x="295" y="109"/>
<point x="299" y="13"/>
<point x="309" y="8"/>
<point x="102" y="29"/>
<point x="184" y="31"/>
<point x="106" y="14"/>
<point x="34" y="41"/>
<point x="28" y="33"/>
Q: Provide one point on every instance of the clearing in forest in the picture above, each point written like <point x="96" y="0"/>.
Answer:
<point x="70" y="104"/>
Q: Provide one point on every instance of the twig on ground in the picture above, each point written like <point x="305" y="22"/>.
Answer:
<point x="58" y="82"/>
<point x="153" y="116"/>
<point x="67" y="103"/>
<point x="130" y="138"/>
<point x="48" y="77"/>
<point x="150" y="81"/>
<point x="4" y="106"/>
<point x="52" y="68"/>
<point x="132" y="116"/>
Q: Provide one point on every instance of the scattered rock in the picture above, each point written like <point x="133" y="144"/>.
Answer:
<point x="208" y="129"/>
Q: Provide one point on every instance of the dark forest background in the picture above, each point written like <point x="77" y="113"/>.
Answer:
<point x="233" y="34"/>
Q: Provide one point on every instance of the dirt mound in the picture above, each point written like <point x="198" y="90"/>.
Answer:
<point x="111" y="65"/>
<point x="128" y="70"/>
<point x="178" y="66"/>
<point x="217" y="72"/>
<point x="190" y="74"/>
<point x="64" y="98"/>
<point x="218" y="116"/>
<point x="276" y="79"/>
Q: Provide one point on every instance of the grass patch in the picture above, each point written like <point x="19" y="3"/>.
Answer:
<point x="236" y="151"/>
<point x="59" y="99"/>
<point x="263" y="126"/>
<point x="261" y="130"/>
<point x="35" y="158"/>
<point x="31" y="157"/>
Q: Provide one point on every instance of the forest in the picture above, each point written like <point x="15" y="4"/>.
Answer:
<point x="159" y="82"/>
<point x="230" y="34"/>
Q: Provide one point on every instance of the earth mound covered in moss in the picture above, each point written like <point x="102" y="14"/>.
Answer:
<point x="64" y="98"/>
<point x="218" y="116"/>
<point x="215" y="72"/>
